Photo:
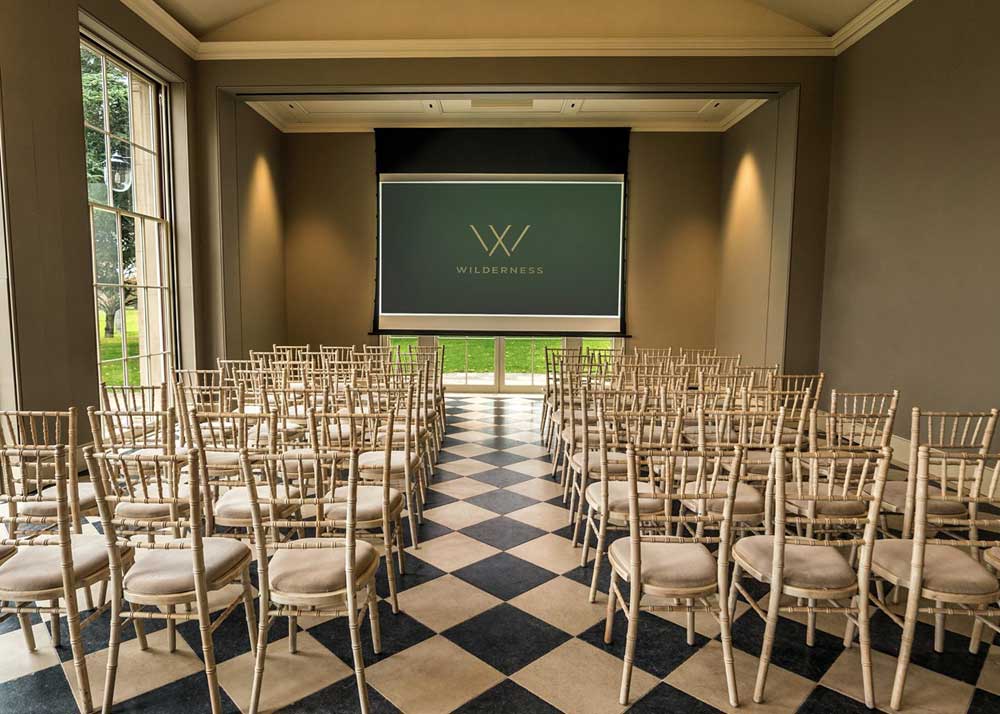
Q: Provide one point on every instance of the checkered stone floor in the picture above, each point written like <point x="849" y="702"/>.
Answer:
<point x="494" y="618"/>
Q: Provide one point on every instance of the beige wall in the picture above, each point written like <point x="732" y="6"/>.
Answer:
<point x="330" y="237"/>
<point x="261" y="231"/>
<point x="220" y="83"/>
<point x="673" y="235"/>
<point x="913" y="249"/>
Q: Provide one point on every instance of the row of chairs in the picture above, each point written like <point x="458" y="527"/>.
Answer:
<point x="309" y="477"/>
<point x="761" y="477"/>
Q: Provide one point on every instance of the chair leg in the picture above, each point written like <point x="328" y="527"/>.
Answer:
<point x="609" y="618"/>
<point x="76" y="644"/>
<point x="939" y="625"/>
<point x="261" y="657"/>
<point x="602" y="535"/>
<point x="293" y="632"/>
<point x="413" y="519"/>
<point x="140" y="628"/>
<point x="733" y="592"/>
<point x="373" y="617"/>
<point x="585" y="543"/>
<point x="251" y="616"/>
<point x="811" y="623"/>
<point x="171" y="629"/>
<point x="905" y="648"/>
<point x="631" y="635"/>
<point x="976" y="637"/>
<point x="690" y="621"/>
<point x="399" y="545"/>
<point x="726" y="635"/>
<point x="849" y="627"/>
<point x="359" y="662"/>
<point x="55" y="623"/>
<point x="864" y="626"/>
<point x="388" y="540"/>
<point x="26" y="631"/>
<point x="774" y="604"/>
<point x="114" y="641"/>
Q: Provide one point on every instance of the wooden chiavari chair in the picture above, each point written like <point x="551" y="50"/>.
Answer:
<point x="41" y="432"/>
<point x="654" y="354"/>
<point x="380" y="506"/>
<point x="796" y="403"/>
<point x="328" y="574"/>
<point x="48" y="567"/>
<point x="691" y="355"/>
<point x="130" y="398"/>
<point x="289" y="353"/>
<point x="607" y="496"/>
<point x="719" y="364"/>
<point x="553" y="357"/>
<point x="762" y="376"/>
<point x="170" y="572"/>
<point x="405" y="464"/>
<point x="112" y="431"/>
<point x="799" y="382"/>
<point x="809" y="565"/>
<point x="680" y="569"/>
<point x="863" y="402"/>
<point x="947" y="572"/>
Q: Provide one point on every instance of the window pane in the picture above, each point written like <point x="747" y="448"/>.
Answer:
<point x="118" y="101"/>
<point x="106" y="267"/>
<point x="132" y="325"/>
<point x="524" y="359"/>
<point x="109" y="323"/>
<point x="93" y="87"/>
<point x="97" y="166"/>
<point x="143" y="113"/>
<point x="133" y="371"/>
<point x="145" y="183"/>
<point x="121" y="174"/>
<point x="112" y="373"/>
<point x="129" y="239"/>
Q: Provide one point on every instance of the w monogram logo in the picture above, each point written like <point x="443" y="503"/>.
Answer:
<point x="499" y="240"/>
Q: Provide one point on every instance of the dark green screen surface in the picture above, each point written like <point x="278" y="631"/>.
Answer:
<point x="567" y="262"/>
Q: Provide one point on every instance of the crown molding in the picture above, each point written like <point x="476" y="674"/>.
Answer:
<point x="164" y="23"/>
<point x="866" y="21"/>
<point x="860" y="26"/>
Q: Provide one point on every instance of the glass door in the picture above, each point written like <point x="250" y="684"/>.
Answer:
<point x="470" y="363"/>
<point x="524" y="362"/>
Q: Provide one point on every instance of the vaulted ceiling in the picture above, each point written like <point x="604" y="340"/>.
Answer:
<point x="227" y="28"/>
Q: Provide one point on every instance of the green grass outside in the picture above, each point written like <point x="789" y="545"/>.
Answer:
<point x="111" y="349"/>
<point x="517" y="352"/>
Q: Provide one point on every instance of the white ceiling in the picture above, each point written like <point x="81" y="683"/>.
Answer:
<point x="241" y="29"/>
<point x="364" y="114"/>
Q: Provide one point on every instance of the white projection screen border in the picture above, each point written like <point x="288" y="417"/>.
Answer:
<point x="399" y="322"/>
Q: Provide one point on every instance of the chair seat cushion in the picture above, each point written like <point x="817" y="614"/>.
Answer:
<point x="617" y="462"/>
<point x="817" y="567"/>
<point x="88" y="501"/>
<point x="576" y="435"/>
<point x="845" y="509"/>
<point x="38" y="568"/>
<point x="748" y="499"/>
<point x="234" y="504"/>
<point x="152" y="511"/>
<point x="681" y="566"/>
<point x="894" y="497"/>
<point x="6" y="551"/>
<point x="618" y="497"/>
<point x="317" y="570"/>
<point x="369" y="505"/>
<point x="947" y="569"/>
<point x="171" y="572"/>
<point x="375" y="460"/>
<point x="991" y="556"/>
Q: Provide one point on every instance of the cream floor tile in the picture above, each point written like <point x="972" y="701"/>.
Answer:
<point x="139" y="671"/>
<point x="471" y="425"/>
<point x="529" y="434"/>
<point x="538" y="488"/>
<point x="15" y="658"/>
<point x="530" y="451"/>
<point x="468" y="450"/>
<point x="433" y="677"/>
<point x="287" y="677"/>
<point x="926" y="692"/>
<point x="577" y="677"/>
<point x="445" y="602"/>
<point x="542" y="515"/>
<point x="563" y="603"/>
<point x="458" y="515"/>
<point x="465" y="487"/>
<point x="532" y="468"/>
<point x="989" y="677"/>
<point x="702" y="676"/>
<point x="453" y="551"/>
<point x="471" y="436"/>
<point x="551" y="552"/>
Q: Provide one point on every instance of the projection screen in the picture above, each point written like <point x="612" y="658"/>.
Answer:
<point x="500" y="253"/>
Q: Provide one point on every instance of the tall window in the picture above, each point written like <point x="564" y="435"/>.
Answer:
<point x="131" y="239"/>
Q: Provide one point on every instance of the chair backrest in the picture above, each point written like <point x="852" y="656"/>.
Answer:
<point x="150" y="494"/>
<point x="863" y="402"/>
<point x="793" y="401"/>
<point x="128" y="430"/>
<point x="850" y="430"/>
<point x="799" y="382"/>
<point x="975" y="479"/>
<point x="290" y="353"/>
<point x="692" y="354"/>
<point x="124" y="398"/>
<point x="746" y="429"/>
<point x="812" y="478"/>
<point x="697" y="475"/>
<point x="763" y="376"/>
<point x="43" y="431"/>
